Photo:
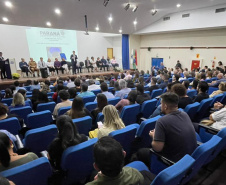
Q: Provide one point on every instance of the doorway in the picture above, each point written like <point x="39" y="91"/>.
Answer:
<point x="110" y="53"/>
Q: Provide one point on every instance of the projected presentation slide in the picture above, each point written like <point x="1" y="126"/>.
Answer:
<point x="50" y="43"/>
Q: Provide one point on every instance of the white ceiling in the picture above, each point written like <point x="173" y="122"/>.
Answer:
<point x="37" y="12"/>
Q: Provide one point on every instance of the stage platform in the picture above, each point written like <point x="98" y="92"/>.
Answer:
<point x="6" y="82"/>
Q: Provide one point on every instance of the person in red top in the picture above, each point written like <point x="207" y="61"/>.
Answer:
<point x="55" y="95"/>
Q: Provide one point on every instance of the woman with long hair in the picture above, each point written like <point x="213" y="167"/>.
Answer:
<point x="78" y="110"/>
<point x="67" y="136"/>
<point x="18" y="101"/>
<point x="222" y="89"/>
<point x="8" y="158"/>
<point x="42" y="98"/>
<point x="101" y="103"/>
<point x="112" y="121"/>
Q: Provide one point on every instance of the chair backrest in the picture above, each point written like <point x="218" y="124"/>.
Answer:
<point x="110" y="89"/>
<point x="11" y="124"/>
<point x="201" y="155"/>
<point x="208" y="80"/>
<point x="223" y="100"/>
<point x="192" y="93"/>
<point x="46" y="106"/>
<point x="211" y="89"/>
<point x="63" y="110"/>
<point x="114" y="101"/>
<point x="216" y="98"/>
<point x="155" y="93"/>
<point x="83" y="125"/>
<point x="148" y="107"/>
<point x="77" y="161"/>
<point x="50" y="93"/>
<point x="96" y="91"/>
<point x="7" y="101"/>
<point x="39" y="119"/>
<point x="129" y="114"/>
<point x="100" y="117"/>
<point x="35" y="172"/>
<point x="190" y="79"/>
<point x="191" y="109"/>
<point x="37" y="140"/>
<point x="28" y="102"/>
<point x="22" y="112"/>
<point x="91" y="106"/>
<point x="143" y="131"/>
<point x="28" y="88"/>
<point x="203" y="108"/>
<point x="175" y="173"/>
<point x="125" y="136"/>
<point x="87" y="99"/>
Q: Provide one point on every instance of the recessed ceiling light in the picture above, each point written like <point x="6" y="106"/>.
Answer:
<point x="153" y="11"/>
<point x="120" y="31"/>
<point x="97" y="28"/>
<point x="110" y="19"/>
<point x="135" y="9"/>
<point x="178" y="5"/>
<point x="57" y="11"/>
<point x="5" y="19"/>
<point x="8" y="4"/>
<point x="48" y="24"/>
<point x="135" y="22"/>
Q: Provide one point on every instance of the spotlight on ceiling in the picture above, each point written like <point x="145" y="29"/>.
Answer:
<point x="178" y="5"/>
<point x="48" y="24"/>
<point x="57" y="11"/>
<point x="135" y="22"/>
<point x="135" y="9"/>
<point x="110" y="19"/>
<point x="8" y="4"/>
<point x="106" y="2"/>
<point x="120" y="31"/>
<point x="5" y="19"/>
<point x="153" y="11"/>
<point x="127" y="6"/>
<point x="97" y="28"/>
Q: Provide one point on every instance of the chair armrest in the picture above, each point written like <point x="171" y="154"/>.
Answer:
<point x="142" y="119"/>
<point x="19" y="142"/>
<point x="44" y="154"/>
<point x="163" y="159"/>
<point x="209" y="129"/>
<point x="199" y="143"/>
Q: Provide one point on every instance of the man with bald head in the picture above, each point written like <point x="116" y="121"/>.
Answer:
<point x="220" y="77"/>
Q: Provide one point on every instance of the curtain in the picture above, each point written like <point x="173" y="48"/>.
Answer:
<point x="125" y="51"/>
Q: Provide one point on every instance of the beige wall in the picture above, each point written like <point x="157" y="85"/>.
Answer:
<point x="207" y="38"/>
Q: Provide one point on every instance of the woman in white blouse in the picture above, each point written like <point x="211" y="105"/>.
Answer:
<point x="51" y="68"/>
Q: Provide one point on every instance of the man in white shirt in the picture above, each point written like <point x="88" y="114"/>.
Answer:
<point x="43" y="68"/>
<point x="71" y="83"/>
<point x="128" y="76"/>
<point x="219" y="117"/>
<point x="92" y="85"/>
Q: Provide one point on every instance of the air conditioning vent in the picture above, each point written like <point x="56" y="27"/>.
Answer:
<point x="166" y="18"/>
<point x="186" y="15"/>
<point x="219" y="10"/>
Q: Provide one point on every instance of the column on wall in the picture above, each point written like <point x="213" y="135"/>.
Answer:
<point x="125" y="51"/>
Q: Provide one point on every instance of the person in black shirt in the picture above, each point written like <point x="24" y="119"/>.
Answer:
<point x="184" y="100"/>
<point x="202" y="89"/>
<point x="153" y="85"/>
<point x="141" y="96"/>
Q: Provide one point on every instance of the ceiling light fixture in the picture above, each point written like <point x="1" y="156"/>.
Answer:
<point x="120" y="31"/>
<point x="48" y="24"/>
<point x="8" y="4"/>
<point x="135" y="9"/>
<point x="153" y="11"/>
<point x="135" y="23"/>
<point x="57" y="11"/>
<point x="178" y="5"/>
<point x="127" y="6"/>
<point x="106" y="2"/>
<point x="110" y="19"/>
<point x="5" y="19"/>
<point x="97" y="28"/>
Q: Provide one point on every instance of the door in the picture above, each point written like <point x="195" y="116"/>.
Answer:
<point x="156" y="62"/>
<point x="195" y="64"/>
<point x="110" y="53"/>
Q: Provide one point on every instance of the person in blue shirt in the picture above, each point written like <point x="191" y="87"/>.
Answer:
<point x="161" y="68"/>
<point x="17" y="84"/>
<point x="24" y="66"/>
<point x="85" y="91"/>
<point x="35" y="86"/>
<point x="104" y="63"/>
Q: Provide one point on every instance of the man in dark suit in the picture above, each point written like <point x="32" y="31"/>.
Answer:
<point x="104" y="63"/>
<point x="74" y="58"/>
<point x="2" y="66"/>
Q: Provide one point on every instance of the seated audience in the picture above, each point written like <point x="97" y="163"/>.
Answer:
<point x="18" y="101"/>
<point x="184" y="100"/>
<point x="124" y="89"/>
<point x="73" y="93"/>
<point x="13" y="88"/>
<point x="112" y="121"/>
<point x="141" y="96"/>
<point x="77" y="83"/>
<point x="8" y="93"/>
<point x="163" y="85"/>
<point x="222" y="89"/>
<point x="109" y="161"/>
<point x="153" y="85"/>
<point x="202" y="91"/>
<point x="17" y="85"/>
<point x="58" y="89"/>
<point x="84" y="91"/>
<point x="45" y="88"/>
<point x="5" y="181"/>
<point x="219" y="118"/>
<point x="65" y="102"/>
<point x="34" y="97"/>
<point x="130" y="84"/>
<point x="23" y="92"/>
<point x="92" y="85"/>
<point x="8" y="158"/>
<point x="101" y="103"/>
<point x="35" y="86"/>
<point x="67" y="136"/>
<point x="42" y="98"/>
<point x="221" y="78"/>
<point x="78" y="110"/>
<point x="186" y="84"/>
<point x="131" y="99"/>
<point x="104" y="90"/>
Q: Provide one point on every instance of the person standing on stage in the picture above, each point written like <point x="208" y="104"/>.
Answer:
<point x="50" y="65"/>
<point x="33" y="67"/>
<point x="92" y="61"/>
<point x="43" y="67"/>
<point x="2" y="66"/>
<point x="74" y="62"/>
<point x="24" y="66"/>
<point x="178" y="65"/>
